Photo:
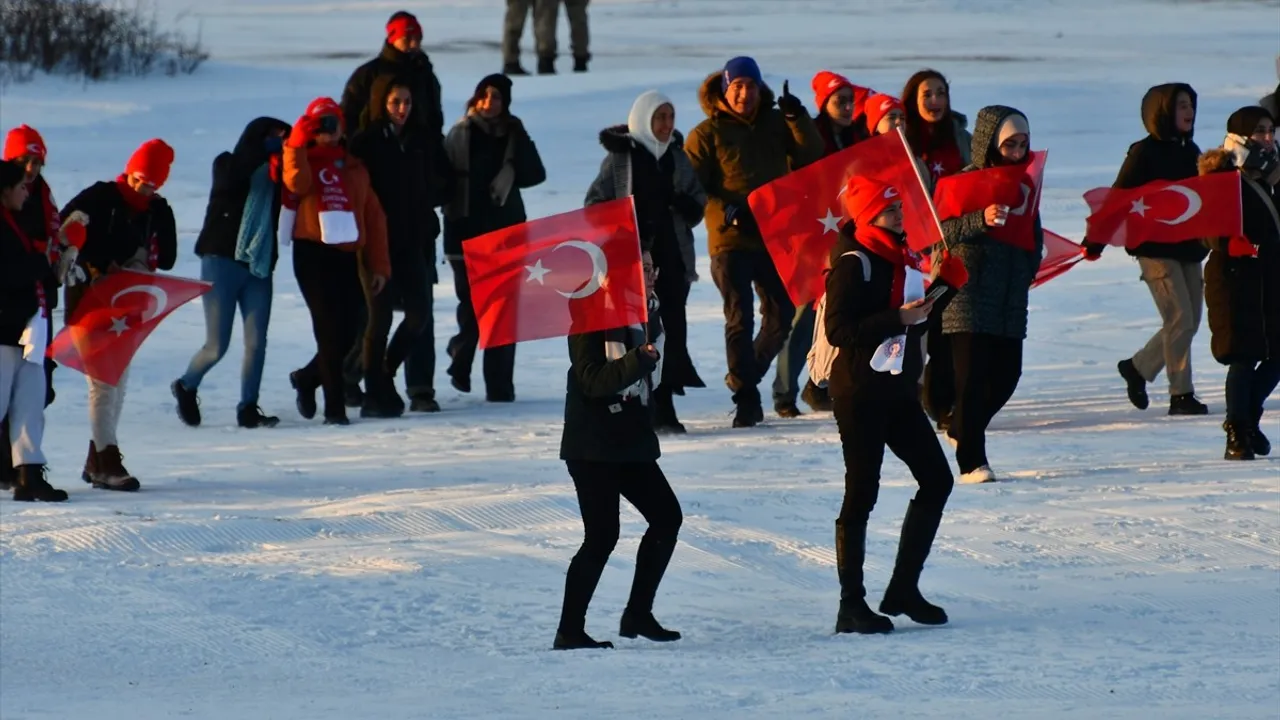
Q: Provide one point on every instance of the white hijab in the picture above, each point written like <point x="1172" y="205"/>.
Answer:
<point x="640" y="121"/>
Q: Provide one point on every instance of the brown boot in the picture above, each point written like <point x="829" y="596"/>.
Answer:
<point x="90" y="464"/>
<point x="111" y="473"/>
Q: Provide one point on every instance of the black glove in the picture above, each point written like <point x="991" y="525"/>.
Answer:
<point x="789" y="104"/>
<point x="737" y="216"/>
<point x="1092" y="251"/>
<point x="686" y="207"/>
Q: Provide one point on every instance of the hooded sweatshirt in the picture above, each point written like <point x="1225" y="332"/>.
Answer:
<point x="1164" y="154"/>
<point x="232" y="175"/>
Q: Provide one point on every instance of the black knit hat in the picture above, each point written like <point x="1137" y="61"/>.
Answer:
<point x="11" y="174"/>
<point x="1243" y="121"/>
<point x="503" y="85"/>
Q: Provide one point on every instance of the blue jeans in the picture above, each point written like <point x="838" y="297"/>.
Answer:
<point x="1248" y="385"/>
<point x="794" y="355"/>
<point x="233" y="285"/>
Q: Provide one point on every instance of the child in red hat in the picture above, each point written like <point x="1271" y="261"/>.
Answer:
<point x="875" y="312"/>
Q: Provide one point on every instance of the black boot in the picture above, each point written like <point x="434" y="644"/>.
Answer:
<point x="512" y="69"/>
<point x="816" y="397"/>
<point x="381" y="400"/>
<point x="188" y="403"/>
<point x="424" y="403"/>
<point x="546" y="66"/>
<point x="352" y="395"/>
<point x="251" y="416"/>
<point x="306" y="395"/>
<point x="1135" y="384"/>
<point x="665" y="421"/>
<point x="1261" y="445"/>
<point x="750" y="411"/>
<point x="578" y="640"/>
<point x="1187" y="404"/>
<point x="854" y="615"/>
<point x="903" y="597"/>
<point x="1239" y="443"/>
<point x="645" y="625"/>
<point x="32" y="487"/>
<point x="580" y="64"/>
<point x="786" y="409"/>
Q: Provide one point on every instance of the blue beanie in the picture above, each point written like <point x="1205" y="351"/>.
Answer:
<point x="741" y="67"/>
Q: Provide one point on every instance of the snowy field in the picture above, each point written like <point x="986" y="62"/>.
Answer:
<point x="413" y="568"/>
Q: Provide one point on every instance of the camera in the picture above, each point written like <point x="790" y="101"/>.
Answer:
<point x="328" y="124"/>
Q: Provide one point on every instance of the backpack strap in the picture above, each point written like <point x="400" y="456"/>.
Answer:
<point x="866" y="263"/>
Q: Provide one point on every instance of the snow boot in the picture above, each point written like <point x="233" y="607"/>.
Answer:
<point x="513" y="69"/>
<point x="1261" y="445"/>
<point x="31" y="486"/>
<point x="816" y="397"/>
<point x="1135" y="384"/>
<point x="578" y="640"/>
<point x="546" y="66"/>
<point x="903" y="597"/>
<point x="352" y="395"/>
<point x="111" y="474"/>
<point x="90" y="464"/>
<point x="580" y="63"/>
<point x="251" y="416"/>
<point x="855" y="616"/>
<point x="1187" y="404"/>
<point x="306" y="395"/>
<point x="665" y="421"/>
<point x="645" y="625"/>
<point x="188" y="403"/>
<point x="787" y="409"/>
<point x="382" y="400"/>
<point x="1239" y="443"/>
<point x="750" y="410"/>
<point x="424" y="403"/>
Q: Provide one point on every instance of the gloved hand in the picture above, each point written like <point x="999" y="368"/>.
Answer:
<point x="303" y="132"/>
<point x="69" y="272"/>
<point x="738" y="216"/>
<point x="790" y="105"/>
<point x="73" y="232"/>
<point x="1093" y="251"/>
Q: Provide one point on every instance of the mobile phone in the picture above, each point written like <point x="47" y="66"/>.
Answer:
<point x="329" y="124"/>
<point x="935" y="292"/>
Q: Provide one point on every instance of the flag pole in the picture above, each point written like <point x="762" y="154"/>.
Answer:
<point x="915" y="168"/>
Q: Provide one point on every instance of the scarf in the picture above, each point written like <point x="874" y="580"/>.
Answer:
<point x="253" y="243"/>
<point x="907" y="286"/>
<point x="35" y="336"/>
<point x="618" y="342"/>
<point x="52" y="221"/>
<point x="139" y="203"/>
<point x="333" y="205"/>
<point x="457" y="147"/>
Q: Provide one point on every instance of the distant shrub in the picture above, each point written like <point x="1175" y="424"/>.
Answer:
<point x="91" y="39"/>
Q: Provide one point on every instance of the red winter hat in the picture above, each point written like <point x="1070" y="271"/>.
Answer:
<point x="403" y="24"/>
<point x="23" y="141"/>
<point x="880" y="105"/>
<point x="151" y="161"/>
<point x="865" y="198"/>
<point x="826" y="83"/>
<point x="322" y="106"/>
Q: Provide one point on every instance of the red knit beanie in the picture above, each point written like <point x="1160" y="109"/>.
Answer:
<point x="403" y="24"/>
<point x="23" y="141"/>
<point x="152" y="162"/>
<point x="880" y="105"/>
<point x="322" y="106"/>
<point x="865" y="198"/>
<point x="826" y="83"/>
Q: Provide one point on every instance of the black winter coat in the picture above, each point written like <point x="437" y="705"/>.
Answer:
<point x="1242" y="294"/>
<point x="397" y="165"/>
<point x="22" y="270"/>
<point x="35" y="223"/>
<point x="116" y="232"/>
<point x="485" y="159"/>
<point x="859" y="316"/>
<point x="358" y="102"/>
<point x="1164" y="154"/>
<point x="232" y="173"/>
<point x="600" y="425"/>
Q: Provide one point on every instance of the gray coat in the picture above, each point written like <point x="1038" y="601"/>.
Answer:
<point x="614" y="182"/>
<point x="994" y="301"/>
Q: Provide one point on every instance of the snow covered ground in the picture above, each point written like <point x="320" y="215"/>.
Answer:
<point x="413" y="568"/>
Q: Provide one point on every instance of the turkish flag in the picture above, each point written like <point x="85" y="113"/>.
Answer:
<point x="567" y="274"/>
<point x="1166" y="211"/>
<point x="1014" y="186"/>
<point x="800" y="213"/>
<point x="115" y="316"/>
<point x="1060" y="255"/>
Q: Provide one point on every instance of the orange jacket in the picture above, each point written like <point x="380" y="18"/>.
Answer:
<point x="298" y="179"/>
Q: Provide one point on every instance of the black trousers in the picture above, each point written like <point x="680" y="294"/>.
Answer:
<point x="735" y="274"/>
<point x="939" y="374"/>
<point x="499" y="362"/>
<point x="672" y="290"/>
<point x="329" y="279"/>
<point x="411" y="284"/>
<point x="599" y="487"/>
<point x="987" y="369"/>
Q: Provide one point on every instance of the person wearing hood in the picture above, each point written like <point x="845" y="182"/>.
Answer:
<point x="745" y="142"/>
<point x="1172" y="271"/>
<point x="332" y="217"/>
<point x="24" y="310"/>
<point x="1242" y="280"/>
<point x="238" y="251"/>
<point x="493" y="159"/>
<point x="394" y="151"/>
<point x="986" y="321"/>
<point x="876" y="308"/>
<point x="611" y="452"/>
<point x="1271" y="103"/>
<point x="127" y="225"/>
<point x="937" y="136"/>
<point x="646" y="160"/>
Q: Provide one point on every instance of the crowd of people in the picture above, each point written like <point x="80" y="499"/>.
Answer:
<point x="353" y="188"/>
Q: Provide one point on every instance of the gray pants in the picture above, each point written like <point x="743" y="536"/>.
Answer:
<point x="546" y="14"/>
<point x="106" y="406"/>
<point x="1178" y="290"/>
<point x="22" y="386"/>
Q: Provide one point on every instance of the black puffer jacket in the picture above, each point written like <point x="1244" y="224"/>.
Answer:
<point x="116" y="232"/>
<point x="994" y="300"/>
<point x="397" y="169"/>
<point x="22" y="270"/>
<point x="1242" y="294"/>
<point x="600" y="423"/>
<point x="1164" y="154"/>
<point x="232" y="173"/>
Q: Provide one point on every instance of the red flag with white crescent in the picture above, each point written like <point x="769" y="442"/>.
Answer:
<point x="572" y="273"/>
<point x="1166" y="211"/>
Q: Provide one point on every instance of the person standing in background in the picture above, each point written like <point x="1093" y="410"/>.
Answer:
<point x="546" y="15"/>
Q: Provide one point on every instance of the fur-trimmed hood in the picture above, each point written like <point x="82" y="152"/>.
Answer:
<point x="616" y="138"/>
<point x="711" y="97"/>
<point x="1216" y="160"/>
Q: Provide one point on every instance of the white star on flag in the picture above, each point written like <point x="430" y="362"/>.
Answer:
<point x="937" y="168"/>
<point x="119" y="326"/>
<point x="1140" y="207"/>
<point x="830" y="223"/>
<point x="536" y="272"/>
